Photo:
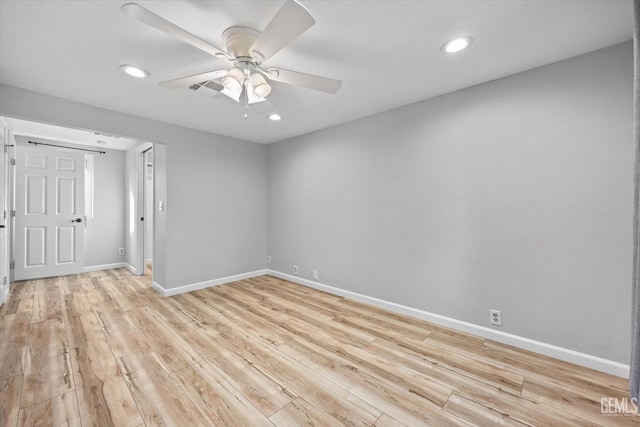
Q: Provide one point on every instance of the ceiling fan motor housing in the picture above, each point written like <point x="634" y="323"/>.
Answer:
<point x="238" y="41"/>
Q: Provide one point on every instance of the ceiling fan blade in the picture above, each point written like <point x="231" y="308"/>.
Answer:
<point x="185" y="82"/>
<point x="291" y="20"/>
<point x="310" y="81"/>
<point x="159" y="23"/>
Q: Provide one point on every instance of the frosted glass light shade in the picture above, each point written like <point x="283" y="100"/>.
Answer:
<point x="233" y="80"/>
<point x="260" y="86"/>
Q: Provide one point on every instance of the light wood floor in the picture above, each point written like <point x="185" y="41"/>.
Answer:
<point x="104" y="349"/>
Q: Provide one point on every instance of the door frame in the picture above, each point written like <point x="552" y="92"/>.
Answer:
<point x="139" y="208"/>
<point x="7" y="143"/>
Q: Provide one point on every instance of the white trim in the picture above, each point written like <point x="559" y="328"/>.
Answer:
<point x="159" y="289"/>
<point x="5" y="297"/>
<point x="131" y="268"/>
<point x="571" y="356"/>
<point x="139" y="229"/>
<point x="206" y="284"/>
<point x="104" y="267"/>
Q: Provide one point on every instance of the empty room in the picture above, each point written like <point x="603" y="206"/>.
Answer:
<point x="319" y="213"/>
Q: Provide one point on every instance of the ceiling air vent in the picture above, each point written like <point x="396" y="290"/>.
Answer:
<point x="196" y="86"/>
<point x="208" y="88"/>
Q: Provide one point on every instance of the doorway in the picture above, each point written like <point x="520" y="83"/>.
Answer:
<point x="144" y="257"/>
<point x="147" y="213"/>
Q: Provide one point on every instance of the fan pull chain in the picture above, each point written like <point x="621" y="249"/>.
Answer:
<point x="246" y="100"/>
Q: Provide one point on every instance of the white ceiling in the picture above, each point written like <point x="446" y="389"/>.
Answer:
<point x="386" y="52"/>
<point x="68" y="135"/>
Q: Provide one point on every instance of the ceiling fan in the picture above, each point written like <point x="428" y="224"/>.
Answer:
<point x="248" y="81"/>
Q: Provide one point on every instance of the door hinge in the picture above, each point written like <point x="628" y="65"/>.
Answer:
<point x="12" y="264"/>
<point x="13" y="213"/>
<point x="13" y="162"/>
<point x="4" y="280"/>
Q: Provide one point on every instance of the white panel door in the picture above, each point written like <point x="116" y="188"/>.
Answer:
<point x="49" y="227"/>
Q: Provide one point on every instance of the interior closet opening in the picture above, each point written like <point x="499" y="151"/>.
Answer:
<point x="147" y="212"/>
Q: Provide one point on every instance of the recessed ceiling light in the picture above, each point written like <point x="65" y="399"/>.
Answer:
<point x="134" y="71"/>
<point x="275" y="117"/>
<point x="457" y="44"/>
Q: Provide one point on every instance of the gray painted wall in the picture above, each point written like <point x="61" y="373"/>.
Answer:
<point x="215" y="187"/>
<point x="513" y="195"/>
<point x="102" y="243"/>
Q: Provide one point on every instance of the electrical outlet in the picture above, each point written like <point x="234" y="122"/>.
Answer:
<point x="268" y="259"/>
<point x="121" y="251"/>
<point x="296" y="270"/>
<point x="495" y="317"/>
<point x="315" y="274"/>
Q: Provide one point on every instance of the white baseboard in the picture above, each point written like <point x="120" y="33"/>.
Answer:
<point x="576" y="357"/>
<point x="104" y="267"/>
<point x="5" y="297"/>
<point x="131" y="268"/>
<point x="206" y="284"/>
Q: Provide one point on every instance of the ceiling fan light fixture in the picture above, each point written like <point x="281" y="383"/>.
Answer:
<point x="456" y="45"/>
<point x="134" y="71"/>
<point x="260" y="86"/>
<point x="233" y="80"/>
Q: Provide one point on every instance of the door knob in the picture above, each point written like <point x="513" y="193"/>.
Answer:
<point x="77" y="220"/>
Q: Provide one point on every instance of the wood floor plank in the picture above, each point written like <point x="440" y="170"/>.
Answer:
<point x="389" y="316"/>
<point x="580" y="402"/>
<point x="386" y="421"/>
<point x="378" y="331"/>
<point x="262" y="391"/>
<point x="460" y="361"/>
<point x="120" y="293"/>
<point x="171" y="312"/>
<point x="415" y="401"/>
<point x="61" y="410"/>
<point x="201" y="312"/>
<point x="70" y="285"/>
<point x="333" y="400"/>
<point x="20" y="298"/>
<point x="476" y="414"/>
<point x="99" y="297"/>
<point x="530" y="363"/>
<point x="47" y="365"/>
<point x="516" y="406"/>
<point x="10" y="393"/>
<point x="343" y="333"/>
<point x="281" y="295"/>
<point x="175" y="352"/>
<point x="299" y="412"/>
<point x="238" y="316"/>
<point x="14" y="335"/>
<point x="103" y="396"/>
<point x="121" y="334"/>
<point x="251" y="304"/>
<point x="47" y="302"/>
<point x="159" y="398"/>
<point x="220" y="402"/>
<point x="46" y="377"/>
